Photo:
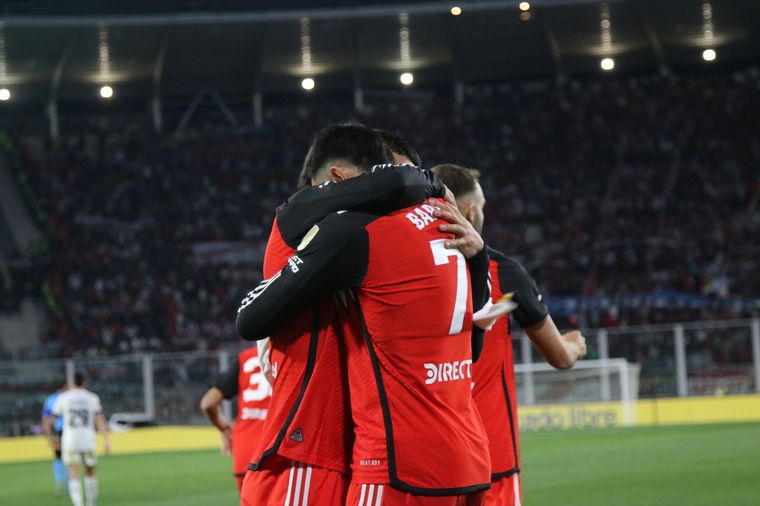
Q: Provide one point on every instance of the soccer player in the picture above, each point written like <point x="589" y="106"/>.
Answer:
<point x="305" y="447"/>
<point x="52" y="428"/>
<point x="244" y="380"/>
<point x="82" y="413"/>
<point x="494" y="390"/>
<point x="403" y="152"/>
<point x="416" y="425"/>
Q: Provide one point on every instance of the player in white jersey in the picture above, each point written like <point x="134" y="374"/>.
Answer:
<point x="82" y="413"/>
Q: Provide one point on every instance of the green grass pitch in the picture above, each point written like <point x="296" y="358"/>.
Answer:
<point x="680" y="466"/>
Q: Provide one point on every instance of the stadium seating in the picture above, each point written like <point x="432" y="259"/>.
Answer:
<point x="600" y="187"/>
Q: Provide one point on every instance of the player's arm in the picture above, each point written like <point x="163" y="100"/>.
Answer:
<point x="264" y="349"/>
<point x="102" y="426"/>
<point x="47" y="421"/>
<point x="335" y="258"/>
<point x="384" y="189"/>
<point x="560" y="350"/>
<point x="226" y="387"/>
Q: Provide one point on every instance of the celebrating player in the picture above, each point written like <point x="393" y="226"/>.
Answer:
<point x="52" y="425"/>
<point x="81" y="412"/>
<point x="409" y="369"/>
<point x="494" y="391"/>
<point x="244" y="380"/>
<point x="305" y="448"/>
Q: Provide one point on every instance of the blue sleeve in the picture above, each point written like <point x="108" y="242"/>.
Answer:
<point x="47" y="406"/>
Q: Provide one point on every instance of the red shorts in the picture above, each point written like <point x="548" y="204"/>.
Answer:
<point x="368" y="494"/>
<point x="505" y="492"/>
<point x="282" y="482"/>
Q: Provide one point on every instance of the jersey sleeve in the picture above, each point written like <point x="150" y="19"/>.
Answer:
<point x="481" y="289"/>
<point x="97" y="406"/>
<point x="336" y="257"/>
<point x="481" y="293"/>
<point x="227" y="382"/>
<point x="513" y="277"/>
<point x="47" y="407"/>
<point x="386" y="188"/>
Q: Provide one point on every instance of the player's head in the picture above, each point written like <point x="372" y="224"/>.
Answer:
<point x="342" y="151"/>
<point x="464" y="183"/>
<point x="403" y="152"/>
<point x="78" y="379"/>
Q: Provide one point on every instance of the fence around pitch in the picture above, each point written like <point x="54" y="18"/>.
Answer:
<point x="699" y="358"/>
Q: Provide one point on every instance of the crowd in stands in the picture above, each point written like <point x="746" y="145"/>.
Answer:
<point x="601" y="188"/>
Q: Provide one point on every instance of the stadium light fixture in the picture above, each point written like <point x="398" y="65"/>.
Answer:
<point x="607" y="64"/>
<point x="709" y="55"/>
<point x="406" y="78"/>
<point x="456" y="11"/>
<point x="308" y="84"/>
<point x="106" y="92"/>
<point x="5" y="94"/>
<point x="524" y="6"/>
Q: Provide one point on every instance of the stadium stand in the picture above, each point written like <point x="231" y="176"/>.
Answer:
<point x="640" y="187"/>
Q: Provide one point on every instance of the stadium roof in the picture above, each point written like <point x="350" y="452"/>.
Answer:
<point x="175" y="47"/>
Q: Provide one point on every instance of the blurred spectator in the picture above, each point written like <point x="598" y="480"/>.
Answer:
<point x="600" y="187"/>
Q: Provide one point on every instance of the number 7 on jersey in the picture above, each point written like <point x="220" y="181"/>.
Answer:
<point x="441" y="256"/>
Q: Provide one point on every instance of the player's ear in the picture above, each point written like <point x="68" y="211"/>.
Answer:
<point x="341" y="173"/>
<point x="469" y="213"/>
<point x="337" y="174"/>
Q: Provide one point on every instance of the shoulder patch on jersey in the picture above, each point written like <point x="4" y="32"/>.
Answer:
<point x="310" y="235"/>
<point x="297" y="436"/>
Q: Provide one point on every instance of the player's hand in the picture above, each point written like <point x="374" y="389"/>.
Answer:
<point x="466" y="238"/>
<point x="107" y="447"/>
<point x="576" y="342"/>
<point x="52" y="442"/>
<point x="226" y="449"/>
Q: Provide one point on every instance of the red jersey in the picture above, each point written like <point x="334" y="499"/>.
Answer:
<point x="252" y="402"/>
<point x="308" y="417"/>
<point x="246" y="381"/>
<point x="494" y="388"/>
<point x="416" y="424"/>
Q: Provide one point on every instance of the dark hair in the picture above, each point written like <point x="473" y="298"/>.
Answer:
<point x="460" y="180"/>
<point x="78" y="379"/>
<point x="351" y="143"/>
<point x="398" y="144"/>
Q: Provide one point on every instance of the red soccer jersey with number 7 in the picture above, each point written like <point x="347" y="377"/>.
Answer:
<point x="416" y="426"/>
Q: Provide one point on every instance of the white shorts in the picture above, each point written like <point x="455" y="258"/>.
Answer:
<point x="88" y="459"/>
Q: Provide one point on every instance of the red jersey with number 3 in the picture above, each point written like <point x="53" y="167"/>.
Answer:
<point x="252" y="403"/>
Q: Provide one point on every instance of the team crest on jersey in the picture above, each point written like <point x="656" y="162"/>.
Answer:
<point x="297" y="436"/>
